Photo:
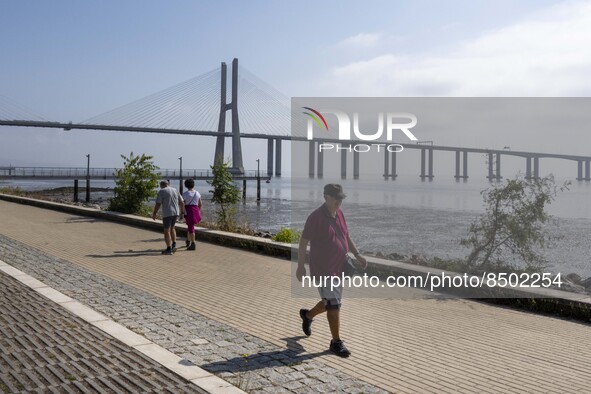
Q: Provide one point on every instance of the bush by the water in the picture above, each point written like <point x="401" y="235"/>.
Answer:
<point x="15" y="191"/>
<point x="511" y="232"/>
<point x="135" y="183"/>
<point x="288" y="235"/>
<point x="225" y="195"/>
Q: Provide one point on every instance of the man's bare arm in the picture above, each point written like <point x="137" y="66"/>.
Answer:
<point x="362" y="261"/>
<point x="156" y="208"/>
<point x="302" y="249"/>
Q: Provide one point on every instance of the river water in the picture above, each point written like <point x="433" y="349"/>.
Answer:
<point x="406" y="216"/>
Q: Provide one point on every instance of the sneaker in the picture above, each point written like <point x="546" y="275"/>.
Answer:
<point x="187" y="243"/>
<point x="306" y="323"/>
<point x="338" y="347"/>
<point x="173" y="247"/>
<point x="167" y="251"/>
<point x="192" y="246"/>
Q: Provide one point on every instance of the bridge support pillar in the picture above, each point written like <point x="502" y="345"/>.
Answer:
<point x="393" y="173"/>
<point x="528" y="167"/>
<point x="320" y="171"/>
<point x="431" y="164"/>
<point x="344" y="151"/>
<point x="237" y="165"/>
<point x="463" y="160"/>
<point x="270" y="157"/>
<point x="75" y="190"/>
<point x="355" y="165"/>
<point x="579" y="170"/>
<point x="422" y="164"/>
<point x="498" y="172"/>
<point x="536" y="168"/>
<point x="587" y="170"/>
<point x="278" y="157"/>
<point x="490" y="167"/>
<point x="386" y="164"/>
<point x="423" y="157"/>
<point x="311" y="158"/>
<point x="220" y="141"/>
<point x="465" y="163"/>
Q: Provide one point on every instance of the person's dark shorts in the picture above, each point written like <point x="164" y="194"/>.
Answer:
<point x="169" y="221"/>
<point x="331" y="298"/>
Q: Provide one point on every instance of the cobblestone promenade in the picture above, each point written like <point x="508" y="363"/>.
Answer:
<point x="231" y="313"/>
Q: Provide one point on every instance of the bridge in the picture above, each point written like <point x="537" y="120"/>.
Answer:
<point x="200" y="107"/>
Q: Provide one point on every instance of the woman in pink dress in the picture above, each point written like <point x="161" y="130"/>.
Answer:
<point x="192" y="200"/>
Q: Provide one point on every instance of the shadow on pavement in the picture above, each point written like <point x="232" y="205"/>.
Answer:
<point x="83" y="220"/>
<point x="128" y="253"/>
<point x="287" y="357"/>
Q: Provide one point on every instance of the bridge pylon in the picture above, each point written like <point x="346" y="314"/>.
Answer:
<point x="237" y="166"/>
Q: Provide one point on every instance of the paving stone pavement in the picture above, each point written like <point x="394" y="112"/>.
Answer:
<point x="239" y="303"/>
<point x="44" y="348"/>
<point x="249" y="363"/>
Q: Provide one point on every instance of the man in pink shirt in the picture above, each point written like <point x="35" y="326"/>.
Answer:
<point x="327" y="233"/>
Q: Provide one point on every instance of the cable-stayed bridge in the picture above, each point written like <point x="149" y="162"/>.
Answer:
<point x="247" y="107"/>
<point x="197" y="107"/>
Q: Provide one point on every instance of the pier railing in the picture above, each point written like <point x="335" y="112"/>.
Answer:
<point x="109" y="173"/>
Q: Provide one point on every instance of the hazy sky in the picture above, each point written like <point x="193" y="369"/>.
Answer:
<point x="72" y="60"/>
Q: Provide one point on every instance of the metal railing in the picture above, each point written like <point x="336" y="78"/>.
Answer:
<point x="108" y="173"/>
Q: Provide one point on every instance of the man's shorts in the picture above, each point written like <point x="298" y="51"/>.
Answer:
<point x="169" y="221"/>
<point x="331" y="298"/>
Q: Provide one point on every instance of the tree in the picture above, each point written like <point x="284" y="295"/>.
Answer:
<point x="225" y="195"/>
<point x="512" y="229"/>
<point x="135" y="183"/>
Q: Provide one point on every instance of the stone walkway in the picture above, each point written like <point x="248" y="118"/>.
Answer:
<point x="232" y="313"/>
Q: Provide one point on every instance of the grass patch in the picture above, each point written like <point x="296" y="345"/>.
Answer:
<point x="14" y="191"/>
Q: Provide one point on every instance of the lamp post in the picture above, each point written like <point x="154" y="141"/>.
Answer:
<point x="258" y="181"/>
<point x="181" y="175"/>
<point x="88" y="177"/>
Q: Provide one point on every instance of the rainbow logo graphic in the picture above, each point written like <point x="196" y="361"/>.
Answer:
<point x="315" y="115"/>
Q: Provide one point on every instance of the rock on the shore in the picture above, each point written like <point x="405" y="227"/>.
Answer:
<point x="574" y="278"/>
<point x="263" y="234"/>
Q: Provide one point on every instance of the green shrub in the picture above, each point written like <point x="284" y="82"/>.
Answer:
<point x="511" y="231"/>
<point x="288" y="235"/>
<point x="135" y="184"/>
<point x="225" y="195"/>
<point x="15" y="191"/>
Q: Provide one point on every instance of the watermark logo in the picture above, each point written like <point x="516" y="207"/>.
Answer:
<point x="393" y="121"/>
<point x="315" y="115"/>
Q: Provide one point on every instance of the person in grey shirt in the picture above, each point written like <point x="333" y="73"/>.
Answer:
<point x="172" y="208"/>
